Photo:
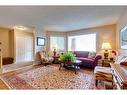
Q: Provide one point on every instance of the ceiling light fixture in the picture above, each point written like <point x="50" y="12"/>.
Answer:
<point x="20" y="27"/>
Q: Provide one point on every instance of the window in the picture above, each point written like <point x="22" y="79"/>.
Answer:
<point x="85" y="42"/>
<point x="57" y="43"/>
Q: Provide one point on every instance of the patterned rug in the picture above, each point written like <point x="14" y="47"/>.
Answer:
<point x="48" y="77"/>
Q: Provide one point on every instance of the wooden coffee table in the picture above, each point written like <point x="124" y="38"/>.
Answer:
<point x="71" y="65"/>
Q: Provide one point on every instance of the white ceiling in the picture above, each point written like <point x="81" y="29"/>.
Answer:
<point x="59" y="18"/>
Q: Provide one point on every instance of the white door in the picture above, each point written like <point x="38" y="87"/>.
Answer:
<point x="24" y="48"/>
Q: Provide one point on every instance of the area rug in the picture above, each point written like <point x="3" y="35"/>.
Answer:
<point x="48" y="77"/>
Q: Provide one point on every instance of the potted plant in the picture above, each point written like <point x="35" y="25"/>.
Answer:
<point x="67" y="57"/>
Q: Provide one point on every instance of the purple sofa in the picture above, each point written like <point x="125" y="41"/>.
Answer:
<point x="87" y="61"/>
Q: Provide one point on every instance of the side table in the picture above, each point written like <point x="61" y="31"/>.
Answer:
<point x="55" y="59"/>
<point x="106" y="62"/>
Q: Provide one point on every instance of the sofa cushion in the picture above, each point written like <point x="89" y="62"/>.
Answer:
<point x="85" y="60"/>
<point x="81" y="54"/>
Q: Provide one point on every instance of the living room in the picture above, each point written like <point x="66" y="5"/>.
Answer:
<point x="60" y="47"/>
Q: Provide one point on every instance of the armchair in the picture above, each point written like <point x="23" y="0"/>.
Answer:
<point x="44" y="58"/>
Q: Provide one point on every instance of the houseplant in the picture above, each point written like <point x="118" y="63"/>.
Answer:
<point x="67" y="57"/>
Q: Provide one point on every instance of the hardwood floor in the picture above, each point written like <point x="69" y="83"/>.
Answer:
<point x="3" y="86"/>
<point x="15" y="66"/>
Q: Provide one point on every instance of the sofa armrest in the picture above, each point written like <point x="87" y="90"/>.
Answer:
<point x="97" y="57"/>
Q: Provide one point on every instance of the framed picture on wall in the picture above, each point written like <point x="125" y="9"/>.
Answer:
<point x="123" y="38"/>
<point x="40" y="41"/>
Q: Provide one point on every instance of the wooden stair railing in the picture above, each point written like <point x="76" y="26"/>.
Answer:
<point x="1" y="64"/>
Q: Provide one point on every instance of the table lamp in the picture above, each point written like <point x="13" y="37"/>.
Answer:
<point x="106" y="46"/>
<point x="55" y="47"/>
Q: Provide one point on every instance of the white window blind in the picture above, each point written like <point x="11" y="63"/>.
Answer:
<point x="85" y="42"/>
<point x="57" y="43"/>
<point x="24" y="48"/>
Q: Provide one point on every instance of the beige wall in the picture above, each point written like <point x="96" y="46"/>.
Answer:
<point x="39" y="33"/>
<point x="104" y="34"/>
<point x="6" y="39"/>
<point x="120" y="25"/>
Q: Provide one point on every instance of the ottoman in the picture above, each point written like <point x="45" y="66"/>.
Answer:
<point x="103" y="73"/>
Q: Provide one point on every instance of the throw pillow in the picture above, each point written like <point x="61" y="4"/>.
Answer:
<point x="91" y="55"/>
<point x="123" y="63"/>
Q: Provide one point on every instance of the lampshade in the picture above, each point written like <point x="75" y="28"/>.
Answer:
<point x="106" y="46"/>
<point x="54" y="46"/>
